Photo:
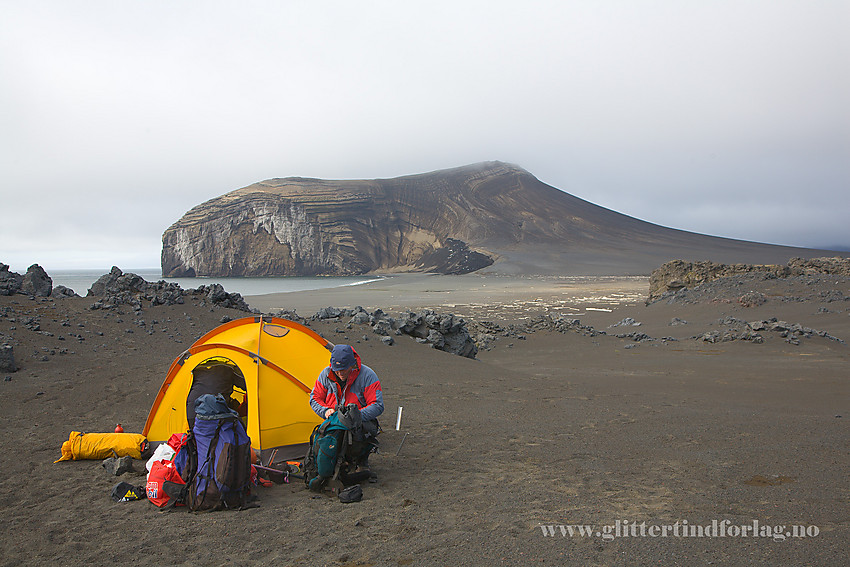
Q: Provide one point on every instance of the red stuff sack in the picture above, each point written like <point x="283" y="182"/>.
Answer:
<point x="177" y="440"/>
<point x="162" y="480"/>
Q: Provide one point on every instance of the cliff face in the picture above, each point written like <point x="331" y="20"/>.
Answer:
<point x="252" y="235"/>
<point x="298" y="226"/>
<point x="449" y="221"/>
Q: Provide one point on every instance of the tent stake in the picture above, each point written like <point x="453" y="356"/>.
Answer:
<point x="402" y="443"/>
<point x="271" y="458"/>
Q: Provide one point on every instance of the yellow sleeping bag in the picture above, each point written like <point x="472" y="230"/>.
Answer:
<point x="102" y="445"/>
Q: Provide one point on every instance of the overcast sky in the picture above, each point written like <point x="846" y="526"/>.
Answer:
<point x="729" y="118"/>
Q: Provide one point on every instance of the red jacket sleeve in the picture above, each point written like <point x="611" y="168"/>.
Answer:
<point x="319" y="399"/>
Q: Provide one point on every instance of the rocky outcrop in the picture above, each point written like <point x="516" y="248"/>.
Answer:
<point x="215" y="294"/>
<point x="61" y="291"/>
<point x="733" y="329"/>
<point x="835" y="266"/>
<point x="491" y="215"/>
<point x="454" y="257"/>
<point x="10" y="282"/>
<point x="677" y="275"/>
<point x="35" y="282"/>
<point x="443" y="332"/>
<point x="117" y="288"/>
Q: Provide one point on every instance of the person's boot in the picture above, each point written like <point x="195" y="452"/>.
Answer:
<point x="363" y="466"/>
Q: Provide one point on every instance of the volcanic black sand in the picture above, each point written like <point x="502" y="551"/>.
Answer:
<point x="544" y="428"/>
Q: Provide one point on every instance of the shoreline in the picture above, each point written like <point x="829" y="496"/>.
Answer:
<point x="465" y="295"/>
<point x="81" y="280"/>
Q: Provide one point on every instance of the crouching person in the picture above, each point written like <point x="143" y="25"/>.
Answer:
<point x="353" y="389"/>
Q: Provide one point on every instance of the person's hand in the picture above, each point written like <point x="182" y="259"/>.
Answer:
<point x="329" y="413"/>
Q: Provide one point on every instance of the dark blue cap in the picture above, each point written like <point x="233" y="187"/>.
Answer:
<point x="342" y="357"/>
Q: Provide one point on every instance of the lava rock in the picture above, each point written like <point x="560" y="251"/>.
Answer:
<point x="60" y="292"/>
<point x="7" y="359"/>
<point x="10" y="282"/>
<point x="118" y="466"/>
<point x="36" y="282"/>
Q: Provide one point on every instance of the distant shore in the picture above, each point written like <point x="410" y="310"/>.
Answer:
<point x="81" y="280"/>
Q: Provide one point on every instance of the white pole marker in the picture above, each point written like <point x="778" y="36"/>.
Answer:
<point x="398" y="421"/>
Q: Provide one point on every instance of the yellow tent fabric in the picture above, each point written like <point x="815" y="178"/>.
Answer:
<point x="101" y="445"/>
<point x="280" y="360"/>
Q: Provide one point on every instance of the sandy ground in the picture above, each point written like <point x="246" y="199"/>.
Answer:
<point x="545" y="428"/>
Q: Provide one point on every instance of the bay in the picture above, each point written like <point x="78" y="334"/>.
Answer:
<point x="81" y="280"/>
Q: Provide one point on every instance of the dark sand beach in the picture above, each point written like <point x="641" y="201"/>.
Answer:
<point x="544" y="428"/>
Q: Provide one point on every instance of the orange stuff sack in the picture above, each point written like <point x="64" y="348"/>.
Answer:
<point x="102" y="445"/>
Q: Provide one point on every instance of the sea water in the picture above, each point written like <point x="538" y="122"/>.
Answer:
<point x="81" y="280"/>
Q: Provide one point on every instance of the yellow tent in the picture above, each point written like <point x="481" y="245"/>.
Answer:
<point x="280" y="361"/>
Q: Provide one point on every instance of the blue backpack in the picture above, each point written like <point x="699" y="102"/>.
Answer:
<point x="215" y="462"/>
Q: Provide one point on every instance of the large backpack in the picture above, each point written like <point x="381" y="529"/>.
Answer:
<point x="324" y="457"/>
<point x="336" y="446"/>
<point x="215" y="462"/>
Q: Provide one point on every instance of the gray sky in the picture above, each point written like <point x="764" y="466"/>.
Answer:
<point x="723" y="117"/>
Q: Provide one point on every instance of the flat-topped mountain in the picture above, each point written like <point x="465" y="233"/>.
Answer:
<point x="494" y="216"/>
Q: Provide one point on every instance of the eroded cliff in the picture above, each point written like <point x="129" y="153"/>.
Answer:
<point x="297" y="226"/>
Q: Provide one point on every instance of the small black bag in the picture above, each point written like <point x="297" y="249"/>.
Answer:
<point x="126" y="492"/>
<point x="351" y="494"/>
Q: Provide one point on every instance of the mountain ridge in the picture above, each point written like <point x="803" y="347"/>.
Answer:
<point x="491" y="216"/>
